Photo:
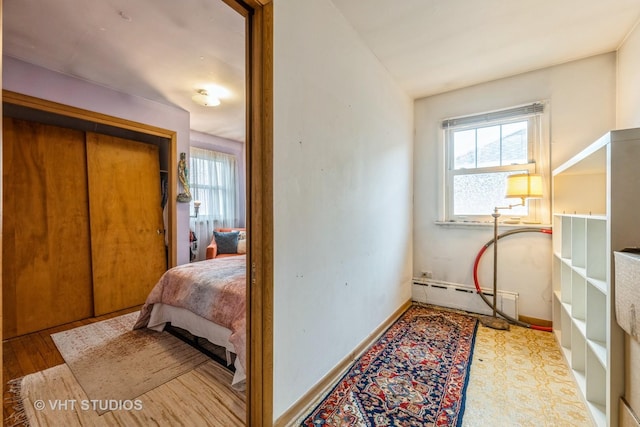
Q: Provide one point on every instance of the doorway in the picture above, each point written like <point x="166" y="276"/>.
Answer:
<point x="259" y="18"/>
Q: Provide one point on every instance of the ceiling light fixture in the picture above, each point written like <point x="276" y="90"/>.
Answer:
<point x="203" y="98"/>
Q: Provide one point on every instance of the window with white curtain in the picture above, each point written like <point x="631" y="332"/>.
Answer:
<point x="482" y="150"/>
<point x="213" y="177"/>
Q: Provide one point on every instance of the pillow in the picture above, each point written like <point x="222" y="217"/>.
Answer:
<point x="242" y="246"/>
<point x="227" y="242"/>
<point x="242" y="235"/>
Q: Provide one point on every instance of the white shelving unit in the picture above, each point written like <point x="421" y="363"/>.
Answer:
<point x="595" y="205"/>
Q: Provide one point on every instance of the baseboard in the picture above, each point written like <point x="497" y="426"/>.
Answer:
<point x="311" y="398"/>
<point x="628" y="418"/>
<point x="535" y="321"/>
<point x="461" y="296"/>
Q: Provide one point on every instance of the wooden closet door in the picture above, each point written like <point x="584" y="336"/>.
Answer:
<point x="46" y="272"/>
<point x="127" y="231"/>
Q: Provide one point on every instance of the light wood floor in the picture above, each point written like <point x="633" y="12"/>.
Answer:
<point x="212" y="400"/>
<point x="36" y="352"/>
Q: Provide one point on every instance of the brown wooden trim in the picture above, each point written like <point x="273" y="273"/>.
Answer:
<point x="251" y="5"/>
<point x="306" y="402"/>
<point x="246" y="7"/>
<point x="2" y="378"/>
<point x="535" y="321"/>
<point x="79" y="113"/>
<point x="260" y="216"/>
<point x="627" y="417"/>
<point x="172" y="219"/>
<point x="238" y="6"/>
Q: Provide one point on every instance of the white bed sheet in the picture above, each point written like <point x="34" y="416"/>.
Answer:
<point x="198" y="326"/>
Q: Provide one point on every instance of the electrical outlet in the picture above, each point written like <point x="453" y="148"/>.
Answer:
<point x="427" y="274"/>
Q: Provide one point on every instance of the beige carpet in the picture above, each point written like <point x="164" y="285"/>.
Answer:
<point x="111" y="361"/>
<point x="200" y="397"/>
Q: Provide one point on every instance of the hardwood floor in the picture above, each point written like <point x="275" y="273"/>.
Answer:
<point x="35" y="352"/>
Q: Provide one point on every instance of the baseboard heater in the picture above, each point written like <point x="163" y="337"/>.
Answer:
<point x="462" y="297"/>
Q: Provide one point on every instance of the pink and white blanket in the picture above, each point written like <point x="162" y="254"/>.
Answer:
<point x="214" y="289"/>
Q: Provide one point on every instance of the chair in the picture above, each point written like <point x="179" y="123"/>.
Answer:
<point x="212" y="249"/>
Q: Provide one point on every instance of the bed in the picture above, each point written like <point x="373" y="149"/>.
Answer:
<point x="207" y="299"/>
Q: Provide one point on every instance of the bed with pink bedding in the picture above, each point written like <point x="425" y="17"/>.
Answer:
<point x="206" y="298"/>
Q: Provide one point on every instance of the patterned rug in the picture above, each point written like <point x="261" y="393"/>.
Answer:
<point x="414" y="375"/>
<point x="111" y="361"/>
<point x="202" y="396"/>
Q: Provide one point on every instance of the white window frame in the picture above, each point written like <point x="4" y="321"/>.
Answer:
<point x="538" y="148"/>
<point x="228" y="217"/>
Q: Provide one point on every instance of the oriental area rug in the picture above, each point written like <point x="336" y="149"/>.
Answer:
<point x="414" y="375"/>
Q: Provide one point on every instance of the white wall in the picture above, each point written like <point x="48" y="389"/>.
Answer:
<point x="227" y="146"/>
<point x="18" y="76"/>
<point x="581" y="96"/>
<point x="628" y="109"/>
<point x="342" y="195"/>
<point x="628" y="116"/>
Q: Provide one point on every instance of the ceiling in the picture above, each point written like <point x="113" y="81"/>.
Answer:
<point x="433" y="46"/>
<point x="165" y="50"/>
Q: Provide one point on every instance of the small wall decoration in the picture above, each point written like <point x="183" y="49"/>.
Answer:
<point x="183" y="176"/>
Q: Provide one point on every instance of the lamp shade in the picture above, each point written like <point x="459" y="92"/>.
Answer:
<point x="524" y="186"/>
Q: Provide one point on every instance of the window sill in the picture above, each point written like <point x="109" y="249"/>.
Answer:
<point x="476" y="224"/>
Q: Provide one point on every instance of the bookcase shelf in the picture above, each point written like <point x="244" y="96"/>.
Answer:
<point x="590" y="222"/>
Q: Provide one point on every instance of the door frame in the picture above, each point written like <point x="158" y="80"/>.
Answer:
<point x="92" y="116"/>
<point x="259" y="31"/>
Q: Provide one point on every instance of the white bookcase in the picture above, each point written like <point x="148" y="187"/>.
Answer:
<point x="596" y="203"/>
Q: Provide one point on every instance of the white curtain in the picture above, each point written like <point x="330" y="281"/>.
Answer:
<point x="213" y="177"/>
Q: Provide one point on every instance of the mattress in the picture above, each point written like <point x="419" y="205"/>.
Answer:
<point x="198" y="326"/>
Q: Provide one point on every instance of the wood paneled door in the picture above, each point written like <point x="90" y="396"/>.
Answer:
<point x="127" y="231"/>
<point x="83" y="233"/>
<point x="46" y="272"/>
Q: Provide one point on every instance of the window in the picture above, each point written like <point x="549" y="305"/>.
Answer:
<point x="481" y="151"/>
<point x="213" y="180"/>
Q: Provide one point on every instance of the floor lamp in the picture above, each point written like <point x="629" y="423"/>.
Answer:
<point x="523" y="186"/>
